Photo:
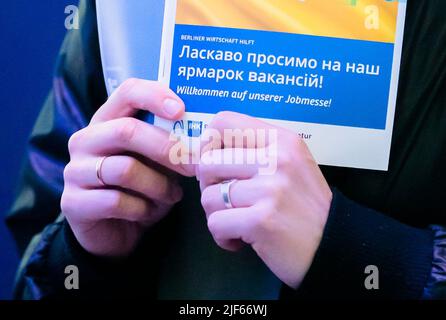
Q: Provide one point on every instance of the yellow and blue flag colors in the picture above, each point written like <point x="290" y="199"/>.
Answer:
<point x="330" y="18"/>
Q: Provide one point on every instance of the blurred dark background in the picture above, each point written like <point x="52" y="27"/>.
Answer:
<point x="31" y="33"/>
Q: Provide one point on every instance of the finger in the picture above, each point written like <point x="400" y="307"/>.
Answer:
<point x="225" y="164"/>
<point x="229" y="228"/>
<point x="243" y="194"/>
<point x="237" y="130"/>
<point x="234" y="120"/>
<point x="99" y="204"/>
<point x="131" y="135"/>
<point x="137" y="94"/>
<point x="127" y="173"/>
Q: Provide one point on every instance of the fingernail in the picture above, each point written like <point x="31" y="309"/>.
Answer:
<point x="172" y="107"/>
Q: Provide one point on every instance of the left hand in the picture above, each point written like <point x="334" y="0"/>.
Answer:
<point x="281" y="213"/>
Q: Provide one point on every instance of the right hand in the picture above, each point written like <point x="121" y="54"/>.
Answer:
<point x="141" y="185"/>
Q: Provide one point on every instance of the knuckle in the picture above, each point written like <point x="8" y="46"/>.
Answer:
<point x="68" y="171"/>
<point x="126" y="130"/>
<point x="220" y="117"/>
<point x="295" y="155"/>
<point x="67" y="202"/>
<point x="286" y="158"/>
<point x="75" y="141"/>
<point x="126" y="88"/>
<point x="297" y="146"/>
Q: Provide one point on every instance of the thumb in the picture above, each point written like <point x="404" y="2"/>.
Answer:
<point x="137" y="94"/>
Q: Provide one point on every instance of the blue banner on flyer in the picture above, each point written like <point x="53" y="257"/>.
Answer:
<point x="283" y="76"/>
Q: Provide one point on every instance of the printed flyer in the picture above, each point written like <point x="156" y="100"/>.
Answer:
<point x="293" y="63"/>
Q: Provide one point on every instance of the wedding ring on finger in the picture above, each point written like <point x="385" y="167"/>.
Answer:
<point x="99" y="165"/>
<point x="225" y="189"/>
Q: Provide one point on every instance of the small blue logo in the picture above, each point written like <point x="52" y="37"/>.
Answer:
<point x="194" y="128"/>
<point x="178" y="127"/>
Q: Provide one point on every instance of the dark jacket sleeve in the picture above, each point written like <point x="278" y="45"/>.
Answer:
<point x="410" y="262"/>
<point x="78" y="90"/>
<point x="47" y="274"/>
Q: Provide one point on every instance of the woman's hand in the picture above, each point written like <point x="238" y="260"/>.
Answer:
<point x="140" y="180"/>
<point x="281" y="212"/>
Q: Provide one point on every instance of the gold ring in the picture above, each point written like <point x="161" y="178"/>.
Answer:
<point x="99" y="164"/>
